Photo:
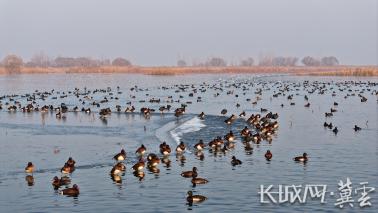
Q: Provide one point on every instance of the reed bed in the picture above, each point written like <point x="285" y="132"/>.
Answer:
<point x="299" y="70"/>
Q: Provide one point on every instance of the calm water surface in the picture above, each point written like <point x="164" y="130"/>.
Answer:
<point x="48" y="142"/>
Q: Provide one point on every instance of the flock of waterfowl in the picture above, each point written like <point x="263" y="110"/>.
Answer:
<point x="258" y="126"/>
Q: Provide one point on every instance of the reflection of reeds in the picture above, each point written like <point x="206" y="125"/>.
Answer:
<point x="325" y="71"/>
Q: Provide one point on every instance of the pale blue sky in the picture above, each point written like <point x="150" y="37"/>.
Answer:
<point x="158" y="32"/>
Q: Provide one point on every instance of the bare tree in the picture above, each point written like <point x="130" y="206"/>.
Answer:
<point x="121" y="62"/>
<point x="248" y="62"/>
<point x="39" y="60"/>
<point x="12" y="63"/>
<point x="329" y="61"/>
<point x="181" y="63"/>
<point x="216" y="62"/>
<point x="310" y="61"/>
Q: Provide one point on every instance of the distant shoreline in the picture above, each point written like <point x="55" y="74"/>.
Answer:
<point x="297" y="70"/>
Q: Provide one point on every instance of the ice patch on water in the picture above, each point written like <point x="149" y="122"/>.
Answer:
<point x="193" y="125"/>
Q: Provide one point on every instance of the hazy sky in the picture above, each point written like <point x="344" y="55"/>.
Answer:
<point x="158" y="32"/>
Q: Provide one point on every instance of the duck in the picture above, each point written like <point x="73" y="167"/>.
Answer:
<point x="181" y="147"/>
<point x="118" y="168"/>
<point x="335" y="130"/>
<point x="57" y="183"/>
<point x="202" y="115"/>
<point x="230" y="137"/>
<point x="66" y="169"/>
<point x="302" y="158"/>
<point x="189" y="174"/>
<point x="139" y="166"/>
<point x="200" y="145"/>
<point x="245" y="132"/>
<point x="197" y="180"/>
<point x="268" y="155"/>
<point x="120" y="156"/>
<point x="235" y="161"/>
<point x="74" y="191"/>
<point x="165" y="149"/>
<point x="71" y="162"/>
<point x="29" y="168"/>
<point x="356" y="128"/>
<point x="152" y="160"/>
<point x="141" y="150"/>
<point x="195" y="198"/>
<point x="224" y="111"/>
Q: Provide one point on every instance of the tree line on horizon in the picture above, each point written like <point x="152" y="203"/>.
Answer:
<point x="13" y="63"/>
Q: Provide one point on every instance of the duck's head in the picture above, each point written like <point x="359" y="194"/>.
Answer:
<point x="56" y="178"/>
<point x="233" y="158"/>
<point x="75" y="186"/>
<point x="123" y="151"/>
<point x="30" y="164"/>
<point x="268" y="151"/>
<point x="190" y="193"/>
<point x="194" y="169"/>
<point x="305" y="154"/>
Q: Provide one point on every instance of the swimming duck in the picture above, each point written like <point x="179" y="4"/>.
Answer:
<point x="235" y="161"/>
<point x="66" y="169"/>
<point x="70" y="162"/>
<point x="165" y="149"/>
<point x="141" y="150"/>
<point x="356" y="128"/>
<point x="245" y="132"/>
<point x="230" y="137"/>
<point x="197" y="180"/>
<point x="195" y="198"/>
<point x="335" y="130"/>
<point x="152" y="160"/>
<point x="118" y="168"/>
<point x="268" y="155"/>
<point x="224" y="111"/>
<point x="189" y="174"/>
<point x="120" y="156"/>
<point x="139" y="166"/>
<point x="74" y="191"/>
<point x="56" y="182"/>
<point x="200" y="145"/>
<point x="302" y="158"/>
<point x="181" y="147"/>
<point x="29" y="168"/>
<point x="202" y="115"/>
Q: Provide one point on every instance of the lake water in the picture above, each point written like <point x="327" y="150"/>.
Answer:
<point x="48" y="142"/>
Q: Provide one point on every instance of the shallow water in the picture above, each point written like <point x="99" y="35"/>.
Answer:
<point x="48" y="142"/>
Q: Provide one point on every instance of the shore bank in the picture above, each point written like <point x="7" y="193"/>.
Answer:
<point x="298" y="70"/>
